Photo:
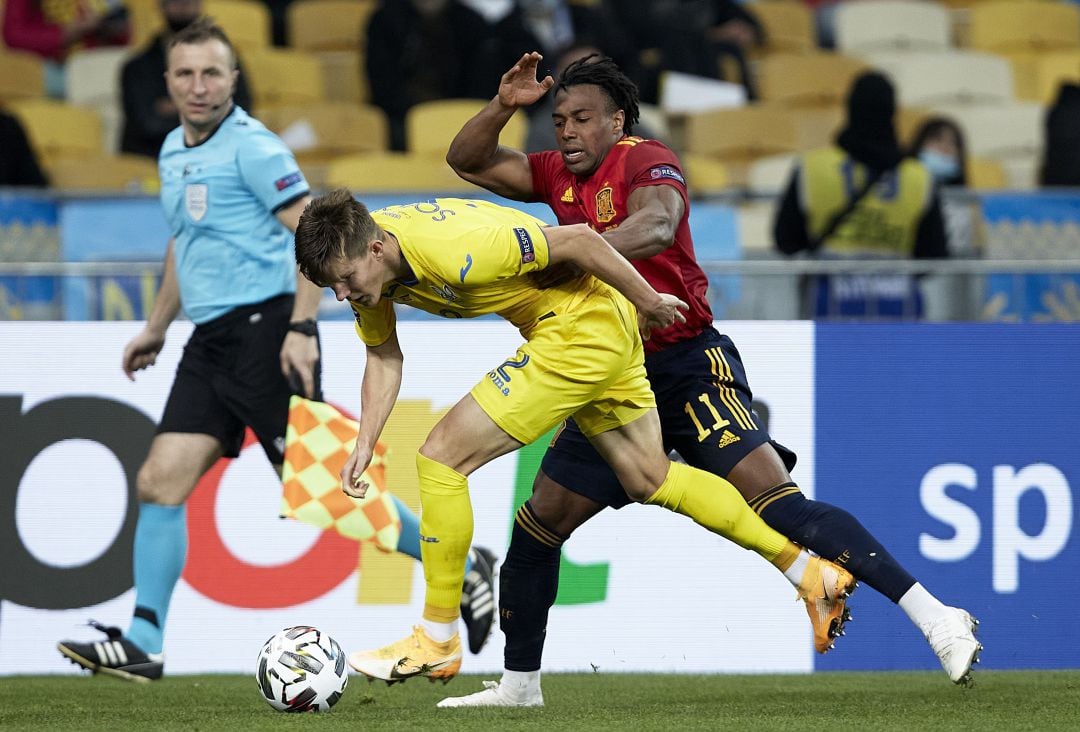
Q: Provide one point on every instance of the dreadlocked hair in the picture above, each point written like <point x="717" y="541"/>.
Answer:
<point x="606" y="74"/>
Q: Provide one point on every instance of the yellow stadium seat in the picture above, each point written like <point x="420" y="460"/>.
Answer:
<point x="23" y="76"/>
<point x="342" y="77"/>
<point x="281" y="76"/>
<point x="808" y="79"/>
<point x="706" y="176"/>
<point x="431" y="126"/>
<point x="817" y="126"/>
<point x="908" y="120"/>
<point x="738" y="136"/>
<point x="390" y="172"/>
<point x="329" y="25"/>
<point x="1051" y="70"/>
<point x="145" y="19"/>
<point x="321" y="131"/>
<point x="105" y="174"/>
<point x="789" y="26"/>
<point x="58" y="130"/>
<point x="246" y="22"/>
<point x="741" y="133"/>
<point x="984" y="174"/>
<point x="1020" y="25"/>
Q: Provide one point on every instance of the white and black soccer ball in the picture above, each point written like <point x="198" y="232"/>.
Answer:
<point x="301" y="669"/>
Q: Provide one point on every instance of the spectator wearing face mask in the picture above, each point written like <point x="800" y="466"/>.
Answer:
<point x="939" y="145"/>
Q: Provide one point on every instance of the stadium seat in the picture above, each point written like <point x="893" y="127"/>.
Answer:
<point x="1051" y="70"/>
<point x="891" y="25"/>
<point x="738" y="136"/>
<point x="1023" y="25"/>
<point x="93" y="80"/>
<point x="343" y="80"/>
<point x="431" y="126"/>
<point x="1010" y="134"/>
<point x="947" y="77"/>
<point x="247" y="23"/>
<point x="984" y="174"/>
<point x="705" y="176"/>
<point x="320" y="132"/>
<point x="390" y="172"/>
<point x="767" y="176"/>
<point x="741" y="133"/>
<point x="146" y="21"/>
<point x="808" y="79"/>
<point x="789" y="26"/>
<point x="817" y="126"/>
<point x="328" y="25"/>
<point x="105" y="174"/>
<point x="281" y="77"/>
<point x="23" y="77"/>
<point x="58" y="130"/>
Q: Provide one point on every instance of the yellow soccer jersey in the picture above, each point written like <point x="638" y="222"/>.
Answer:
<point x="468" y="259"/>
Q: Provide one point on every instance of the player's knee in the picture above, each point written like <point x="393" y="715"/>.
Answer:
<point x="152" y="486"/>
<point x="559" y="508"/>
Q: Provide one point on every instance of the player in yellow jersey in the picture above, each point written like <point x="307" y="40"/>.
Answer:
<point x="582" y="357"/>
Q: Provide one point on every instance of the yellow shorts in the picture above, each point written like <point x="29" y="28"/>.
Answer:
<point x="587" y="363"/>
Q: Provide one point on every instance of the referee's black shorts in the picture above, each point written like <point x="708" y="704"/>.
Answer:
<point x="705" y="410"/>
<point x="230" y="377"/>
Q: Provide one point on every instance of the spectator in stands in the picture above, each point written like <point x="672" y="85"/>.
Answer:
<point x="862" y="198"/>
<point x="149" y="114"/>
<point x="53" y="29"/>
<point x="421" y="50"/>
<point x="18" y="163"/>
<point x="279" y="20"/>
<point x="698" y="36"/>
<point x="1061" y="157"/>
<point x="939" y="145"/>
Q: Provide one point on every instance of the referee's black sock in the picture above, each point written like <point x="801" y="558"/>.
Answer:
<point x="834" y="534"/>
<point x="528" y="583"/>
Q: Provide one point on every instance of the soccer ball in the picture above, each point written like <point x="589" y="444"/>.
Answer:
<point x="301" y="669"/>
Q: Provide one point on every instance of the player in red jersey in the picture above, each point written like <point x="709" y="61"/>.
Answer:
<point x="632" y="191"/>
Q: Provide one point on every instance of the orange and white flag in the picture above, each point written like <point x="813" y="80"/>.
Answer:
<point x="318" y="441"/>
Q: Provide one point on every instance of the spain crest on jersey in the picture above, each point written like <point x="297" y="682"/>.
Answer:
<point x="605" y="206"/>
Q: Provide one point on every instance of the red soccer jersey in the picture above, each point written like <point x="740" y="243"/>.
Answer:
<point x="600" y="201"/>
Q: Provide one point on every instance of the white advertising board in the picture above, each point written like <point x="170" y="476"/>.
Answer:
<point x="676" y="598"/>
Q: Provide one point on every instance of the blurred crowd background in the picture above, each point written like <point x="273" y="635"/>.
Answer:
<point x="369" y="93"/>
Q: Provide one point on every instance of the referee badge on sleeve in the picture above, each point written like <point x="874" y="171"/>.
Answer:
<point x="196" y="200"/>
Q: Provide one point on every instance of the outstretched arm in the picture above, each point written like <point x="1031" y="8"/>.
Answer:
<point x="475" y="153"/>
<point x="583" y="247"/>
<point x="382" y="382"/>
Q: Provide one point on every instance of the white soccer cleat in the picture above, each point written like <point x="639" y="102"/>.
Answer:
<point x="496" y="695"/>
<point x="952" y="636"/>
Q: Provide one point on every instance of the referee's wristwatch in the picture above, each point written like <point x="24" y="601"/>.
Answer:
<point x="306" y="327"/>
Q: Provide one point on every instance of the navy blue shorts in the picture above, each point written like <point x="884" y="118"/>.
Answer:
<point x="230" y="377"/>
<point x="704" y="403"/>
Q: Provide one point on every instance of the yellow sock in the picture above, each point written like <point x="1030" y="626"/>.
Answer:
<point x="446" y="529"/>
<point x="715" y="504"/>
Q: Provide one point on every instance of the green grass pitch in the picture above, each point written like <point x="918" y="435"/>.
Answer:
<point x="1001" y="700"/>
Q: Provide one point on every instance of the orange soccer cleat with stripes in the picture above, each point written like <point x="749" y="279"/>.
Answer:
<point x="414" y="656"/>
<point x="824" y="588"/>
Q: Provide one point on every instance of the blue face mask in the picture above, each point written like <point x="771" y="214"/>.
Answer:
<point x="942" y="167"/>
